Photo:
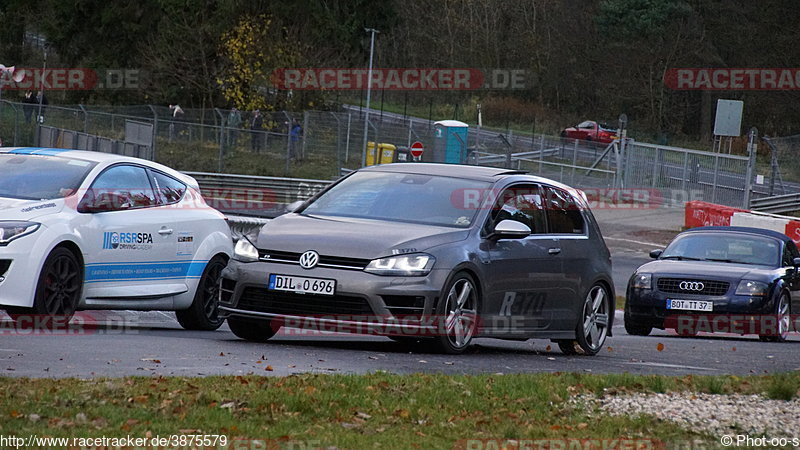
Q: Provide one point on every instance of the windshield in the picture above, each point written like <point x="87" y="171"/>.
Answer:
<point x="725" y="247"/>
<point x="40" y="177"/>
<point x="400" y="197"/>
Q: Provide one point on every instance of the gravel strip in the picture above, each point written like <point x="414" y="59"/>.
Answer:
<point x="714" y="414"/>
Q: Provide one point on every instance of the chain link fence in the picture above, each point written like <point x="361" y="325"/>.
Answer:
<point x="323" y="144"/>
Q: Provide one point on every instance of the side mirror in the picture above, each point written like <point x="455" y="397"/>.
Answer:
<point x="292" y="207"/>
<point x="796" y="262"/>
<point x="656" y="253"/>
<point x="510" y="229"/>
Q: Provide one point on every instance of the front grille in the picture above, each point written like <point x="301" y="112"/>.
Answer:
<point x="404" y="305"/>
<point x="710" y="287"/>
<point x="327" y="261"/>
<point x="226" y="289"/>
<point x="287" y="303"/>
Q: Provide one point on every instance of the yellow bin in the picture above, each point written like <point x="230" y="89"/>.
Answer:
<point x="386" y="151"/>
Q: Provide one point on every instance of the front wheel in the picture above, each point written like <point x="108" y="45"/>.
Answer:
<point x="783" y="321"/>
<point x="58" y="291"/>
<point x="203" y="314"/>
<point x="592" y="329"/>
<point x="254" y="330"/>
<point x="457" y="314"/>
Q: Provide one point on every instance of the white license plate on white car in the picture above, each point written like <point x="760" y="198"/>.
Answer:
<point x="690" y="305"/>
<point x="302" y="285"/>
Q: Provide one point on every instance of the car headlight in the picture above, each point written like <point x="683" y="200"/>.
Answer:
<point x="750" y="287"/>
<point x="642" y="281"/>
<point x="13" y="230"/>
<point x="245" y="251"/>
<point x="403" y="265"/>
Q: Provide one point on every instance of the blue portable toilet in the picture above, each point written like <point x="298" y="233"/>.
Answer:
<point x="450" y="142"/>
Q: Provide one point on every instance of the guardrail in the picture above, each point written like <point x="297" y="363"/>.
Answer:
<point x="777" y="204"/>
<point x="254" y="196"/>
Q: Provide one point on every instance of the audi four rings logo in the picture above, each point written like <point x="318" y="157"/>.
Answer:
<point x="691" y="286"/>
<point x="309" y="259"/>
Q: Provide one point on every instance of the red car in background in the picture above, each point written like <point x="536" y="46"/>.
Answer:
<point x="591" y="131"/>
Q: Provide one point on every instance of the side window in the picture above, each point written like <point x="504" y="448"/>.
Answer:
<point x="789" y="254"/>
<point x="168" y="189"/>
<point x="120" y="188"/>
<point x="563" y="212"/>
<point x="522" y="203"/>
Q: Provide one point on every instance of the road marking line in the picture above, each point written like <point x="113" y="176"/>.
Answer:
<point x="673" y="366"/>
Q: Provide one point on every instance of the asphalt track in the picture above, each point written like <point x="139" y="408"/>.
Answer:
<point x="152" y="343"/>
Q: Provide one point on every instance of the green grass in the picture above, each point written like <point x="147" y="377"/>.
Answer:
<point x="350" y="411"/>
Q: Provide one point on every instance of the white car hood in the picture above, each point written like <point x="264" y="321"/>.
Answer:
<point x="16" y="209"/>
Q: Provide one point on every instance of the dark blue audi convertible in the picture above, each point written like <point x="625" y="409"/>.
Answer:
<point x="718" y="279"/>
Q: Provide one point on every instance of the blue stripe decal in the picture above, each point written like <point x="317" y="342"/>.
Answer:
<point x="144" y="271"/>
<point x="40" y="151"/>
<point x="25" y="151"/>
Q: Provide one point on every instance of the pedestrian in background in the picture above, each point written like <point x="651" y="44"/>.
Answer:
<point x="295" y="132"/>
<point x="177" y="115"/>
<point x="234" y="123"/>
<point x="28" y="104"/>
<point x="256" y="128"/>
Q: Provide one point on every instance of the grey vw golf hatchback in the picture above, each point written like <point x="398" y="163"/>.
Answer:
<point x="429" y="252"/>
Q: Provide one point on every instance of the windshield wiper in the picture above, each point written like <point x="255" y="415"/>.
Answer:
<point x="732" y="261"/>
<point x="681" y="258"/>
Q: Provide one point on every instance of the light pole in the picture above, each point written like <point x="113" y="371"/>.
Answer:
<point x="372" y="31"/>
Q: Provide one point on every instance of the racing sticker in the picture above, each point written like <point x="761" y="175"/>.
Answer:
<point x="185" y="244"/>
<point x="113" y="240"/>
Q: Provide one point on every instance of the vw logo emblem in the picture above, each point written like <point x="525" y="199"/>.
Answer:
<point x="691" y="286"/>
<point x="309" y="259"/>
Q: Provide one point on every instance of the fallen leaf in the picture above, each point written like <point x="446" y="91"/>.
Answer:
<point x="310" y="390"/>
<point x="362" y="415"/>
<point x="660" y="347"/>
<point x="547" y="349"/>
<point x="268" y="368"/>
<point x="228" y="405"/>
<point x="402" y="413"/>
<point x="221" y="353"/>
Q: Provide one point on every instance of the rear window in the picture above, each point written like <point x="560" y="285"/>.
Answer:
<point x="40" y="177"/>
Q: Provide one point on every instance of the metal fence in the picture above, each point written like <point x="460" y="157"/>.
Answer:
<point x="323" y="144"/>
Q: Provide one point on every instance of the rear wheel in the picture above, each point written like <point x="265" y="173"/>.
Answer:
<point x="57" y="291"/>
<point x="783" y="321"/>
<point x="457" y="315"/>
<point x="592" y="329"/>
<point x="253" y="330"/>
<point x="203" y="314"/>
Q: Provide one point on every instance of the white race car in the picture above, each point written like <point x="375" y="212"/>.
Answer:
<point x="88" y="230"/>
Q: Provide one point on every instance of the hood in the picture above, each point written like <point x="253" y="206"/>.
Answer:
<point x="17" y="209"/>
<point x="706" y="269"/>
<point x="351" y="237"/>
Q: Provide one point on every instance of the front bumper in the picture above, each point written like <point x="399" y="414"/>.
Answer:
<point x="19" y="272"/>
<point x="362" y="302"/>
<point x="731" y="313"/>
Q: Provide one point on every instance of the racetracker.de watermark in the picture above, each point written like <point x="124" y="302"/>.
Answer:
<point x="69" y="79"/>
<point x="399" y="79"/>
<point x="761" y="324"/>
<point x="559" y="444"/>
<point x="733" y="79"/>
<point x="81" y="324"/>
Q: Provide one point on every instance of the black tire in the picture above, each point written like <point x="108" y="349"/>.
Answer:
<point x="637" y="329"/>
<point x="57" y="293"/>
<point x="254" y="330"/>
<point x="783" y="312"/>
<point x="203" y="314"/>
<point x="592" y="328"/>
<point x="457" y="313"/>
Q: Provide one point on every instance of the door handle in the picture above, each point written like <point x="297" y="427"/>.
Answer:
<point x="164" y="231"/>
<point x="554" y="251"/>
